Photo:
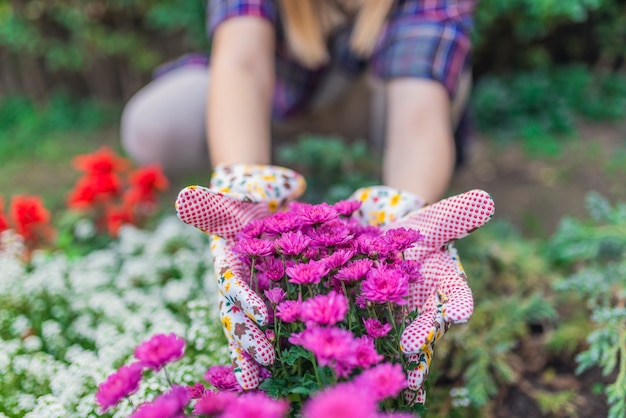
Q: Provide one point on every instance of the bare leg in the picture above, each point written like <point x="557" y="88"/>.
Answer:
<point x="164" y="122"/>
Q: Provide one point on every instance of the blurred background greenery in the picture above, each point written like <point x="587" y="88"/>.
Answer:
<point x="548" y="105"/>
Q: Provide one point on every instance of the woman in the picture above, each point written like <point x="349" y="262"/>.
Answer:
<point x="271" y="60"/>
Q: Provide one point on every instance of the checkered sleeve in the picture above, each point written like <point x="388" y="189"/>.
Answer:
<point x="221" y="10"/>
<point x="423" y="44"/>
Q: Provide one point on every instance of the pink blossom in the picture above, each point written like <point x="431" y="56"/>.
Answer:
<point x="275" y="295"/>
<point x="338" y="258"/>
<point x="282" y="222"/>
<point x="375" y="328"/>
<point x="309" y="273"/>
<point x="328" y="344"/>
<point x="120" y="384"/>
<point x="169" y="405"/>
<point x="214" y="403"/>
<point x="160" y="350"/>
<point x="253" y="247"/>
<point x="314" y="214"/>
<point x="254" y="229"/>
<point x="289" y="310"/>
<point x="273" y="268"/>
<point x="355" y="270"/>
<point x="347" y="207"/>
<point x="331" y="234"/>
<point x="411" y="268"/>
<point x="373" y="246"/>
<point x="292" y="243"/>
<point x="364" y="354"/>
<point x="341" y="401"/>
<point x="325" y="309"/>
<point x="385" y="284"/>
<point x="384" y="381"/>
<point x="401" y="239"/>
<point x="223" y="378"/>
<point x="257" y="405"/>
<point x="196" y="391"/>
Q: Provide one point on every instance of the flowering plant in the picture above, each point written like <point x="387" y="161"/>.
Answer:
<point x="26" y="227"/>
<point x="337" y="292"/>
<point x="113" y="195"/>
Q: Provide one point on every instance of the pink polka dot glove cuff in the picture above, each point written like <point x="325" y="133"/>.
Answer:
<point x="238" y="195"/>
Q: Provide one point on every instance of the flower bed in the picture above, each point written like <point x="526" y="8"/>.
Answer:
<point x="69" y="323"/>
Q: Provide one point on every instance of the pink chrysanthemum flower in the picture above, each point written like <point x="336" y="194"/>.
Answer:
<point x="254" y="229"/>
<point x="385" y="284"/>
<point x="331" y="234"/>
<point x="325" y="309"/>
<point x="314" y="214"/>
<point x="253" y="247"/>
<point x="196" y="391"/>
<point x="401" y="239"/>
<point x="347" y="207"/>
<point x="289" y="310"/>
<point x="275" y="295"/>
<point x="375" y="328"/>
<point x="339" y="258"/>
<point x="309" y="273"/>
<point x="223" y="378"/>
<point x="292" y="243"/>
<point x="281" y="222"/>
<point x="120" y="384"/>
<point x="355" y="270"/>
<point x="214" y="403"/>
<point x="257" y="405"/>
<point x="411" y="268"/>
<point x="373" y="246"/>
<point x="341" y="401"/>
<point x="271" y="267"/>
<point x="384" y="381"/>
<point x="364" y="354"/>
<point x="327" y="344"/>
<point x="169" y="405"/>
<point x="160" y="350"/>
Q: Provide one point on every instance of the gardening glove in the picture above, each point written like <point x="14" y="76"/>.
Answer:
<point x="443" y="296"/>
<point x="239" y="194"/>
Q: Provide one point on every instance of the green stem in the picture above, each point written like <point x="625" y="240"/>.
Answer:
<point x="167" y="376"/>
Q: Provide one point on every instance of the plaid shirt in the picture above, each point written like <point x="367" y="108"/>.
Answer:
<point x="422" y="38"/>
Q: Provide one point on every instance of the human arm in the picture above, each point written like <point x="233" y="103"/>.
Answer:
<point x="420" y="153"/>
<point x="240" y="91"/>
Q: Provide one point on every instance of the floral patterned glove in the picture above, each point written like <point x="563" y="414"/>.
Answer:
<point x="238" y="194"/>
<point x="443" y="297"/>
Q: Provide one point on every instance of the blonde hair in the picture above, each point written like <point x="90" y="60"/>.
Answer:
<point x="307" y="24"/>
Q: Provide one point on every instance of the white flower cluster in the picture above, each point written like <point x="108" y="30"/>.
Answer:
<point x="69" y="323"/>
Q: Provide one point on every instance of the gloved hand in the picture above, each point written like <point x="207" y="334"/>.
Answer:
<point x="239" y="194"/>
<point x="443" y="297"/>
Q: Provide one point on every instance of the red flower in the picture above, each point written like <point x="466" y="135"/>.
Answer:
<point x="94" y="188"/>
<point x="149" y="179"/>
<point x="103" y="161"/>
<point x="4" y="224"/>
<point x="116" y="217"/>
<point x="29" y="216"/>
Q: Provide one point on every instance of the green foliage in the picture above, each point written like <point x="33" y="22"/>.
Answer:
<point x="31" y="130"/>
<point x="542" y="106"/>
<point x="532" y="19"/>
<point x="73" y="34"/>
<point x="594" y="253"/>
<point x="333" y="168"/>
